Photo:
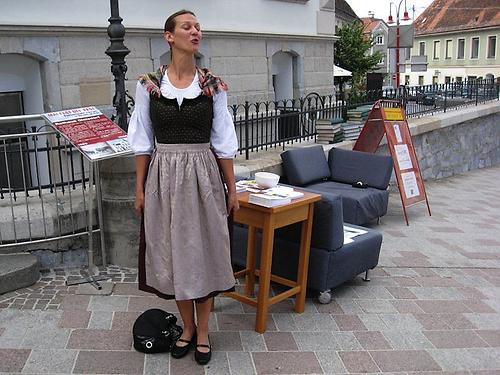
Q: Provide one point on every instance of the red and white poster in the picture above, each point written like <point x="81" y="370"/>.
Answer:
<point x="95" y="135"/>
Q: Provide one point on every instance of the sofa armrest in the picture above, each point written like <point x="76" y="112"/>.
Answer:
<point x="328" y="223"/>
<point x="349" y="167"/>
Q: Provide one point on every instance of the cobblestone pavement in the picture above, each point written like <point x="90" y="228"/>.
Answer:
<point x="433" y="305"/>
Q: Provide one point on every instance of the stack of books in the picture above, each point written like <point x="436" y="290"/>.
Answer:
<point x="329" y="131"/>
<point x="356" y="119"/>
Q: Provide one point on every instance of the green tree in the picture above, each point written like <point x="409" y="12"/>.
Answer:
<point x="352" y="52"/>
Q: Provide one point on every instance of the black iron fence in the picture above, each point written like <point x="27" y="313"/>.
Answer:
<point x="274" y="124"/>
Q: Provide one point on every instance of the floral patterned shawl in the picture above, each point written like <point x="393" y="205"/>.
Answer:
<point x="209" y="83"/>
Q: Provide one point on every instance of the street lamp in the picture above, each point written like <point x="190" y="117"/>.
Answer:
<point x="391" y="21"/>
<point x="117" y="51"/>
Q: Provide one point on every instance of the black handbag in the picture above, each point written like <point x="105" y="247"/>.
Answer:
<point x="155" y="331"/>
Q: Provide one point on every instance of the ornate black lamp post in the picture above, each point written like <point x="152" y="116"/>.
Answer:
<point x="117" y="51"/>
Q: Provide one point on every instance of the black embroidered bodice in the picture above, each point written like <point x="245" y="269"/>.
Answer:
<point x="189" y="123"/>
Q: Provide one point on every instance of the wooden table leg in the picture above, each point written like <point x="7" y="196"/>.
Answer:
<point x="266" y="258"/>
<point x="250" y="265"/>
<point x="305" y="243"/>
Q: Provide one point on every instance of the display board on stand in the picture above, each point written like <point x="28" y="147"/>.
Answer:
<point x="387" y="117"/>
<point x="96" y="137"/>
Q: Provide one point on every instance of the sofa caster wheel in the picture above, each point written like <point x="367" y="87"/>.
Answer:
<point x="325" y="297"/>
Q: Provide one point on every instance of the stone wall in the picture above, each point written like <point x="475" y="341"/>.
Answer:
<point x="76" y="71"/>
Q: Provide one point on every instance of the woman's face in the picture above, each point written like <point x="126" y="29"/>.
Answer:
<point x="186" y="35"/>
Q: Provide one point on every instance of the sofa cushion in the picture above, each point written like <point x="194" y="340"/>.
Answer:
<point x="327" y="231"/>
<point x="352" y="166"/>
<point x="305" y="165"/>
<point x="359" y="206"/>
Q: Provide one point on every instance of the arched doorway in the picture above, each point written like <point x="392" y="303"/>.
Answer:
<point x="20" y="93"/>
<point x="283" y="73"/>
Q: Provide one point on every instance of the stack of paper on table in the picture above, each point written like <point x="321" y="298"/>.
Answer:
<point x="275" y="196"/>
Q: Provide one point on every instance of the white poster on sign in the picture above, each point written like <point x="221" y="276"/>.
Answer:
<point x="397" y="131"/>
<point x="403" y="156"/>
<point x="410" y="184"/>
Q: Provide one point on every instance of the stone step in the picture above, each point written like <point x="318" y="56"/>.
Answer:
<point x="18" y="271"/>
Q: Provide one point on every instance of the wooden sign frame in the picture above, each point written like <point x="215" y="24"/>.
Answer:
<point x="388" y="117"/>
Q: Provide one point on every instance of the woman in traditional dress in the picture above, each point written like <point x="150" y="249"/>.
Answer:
<point x="184" y="141"/>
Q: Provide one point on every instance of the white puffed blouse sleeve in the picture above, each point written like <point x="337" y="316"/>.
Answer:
<point x="140" y="132"/>
<point x="223" y="136"/>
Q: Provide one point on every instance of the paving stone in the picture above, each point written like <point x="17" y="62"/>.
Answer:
<point x="219" y="364"/>
<point x="146" y="303"/>
<point x="436" y="293"/>
<point x="485" y="321"/>
<point x="109" y="362"/>
<point x="479" y="307"/>
<point x="13" y="360"/>
<point x="331" y="308"/>
<point x="241" y="322"/>
<point x="315" y="341"/>
<point x="404" y="360"/>
<point x="467" y="359"/>
<point x="280" y="341"/>
<point x="286" y="363"/>
<point x="349" y="323"/>
<point x="253" y="341"/>
<point x="401" y="340"/>
<point x="108" y="303"/>
<point x="226" y="341"/>
<point x="443" y="306"/>
<point x="455" y="339"/>
<point x="53" y="361"/>
<point x="492" y="337"/>
<point x="401" y="293"/>
<point x="372" y="322"/>
<point x="346" y="341"/>
<point x="128" y="289"/>
<point x="74" y="319"/>
<point x="358" y="361"/>
<point x="349" y="306"/>
<point x="97" y="339"/>
<point x="241" y="363"/>
<point x="101" y="320"/>
<point x="372" y="340"/>
<point x="330" y="362"/>
<point x="406" y="307"/>
<point x="157" y="364"/>
<point x="401" y="322"/>
<point x="314" y="322"/>
<point x="74" y="302"/>
<point x="45" y="337"/>
<point x="376" y="306"/>
<point x="228" y="305"/>
<point x="124" y="320"/>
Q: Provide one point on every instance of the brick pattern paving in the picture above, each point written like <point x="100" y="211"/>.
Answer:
<point x="433" y="305"/>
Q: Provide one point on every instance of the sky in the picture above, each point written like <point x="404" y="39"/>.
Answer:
<point x="381" y="7"/>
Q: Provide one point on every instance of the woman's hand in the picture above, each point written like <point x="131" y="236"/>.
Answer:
<point x="139" y="203"/>
<point x="232" y="203"/>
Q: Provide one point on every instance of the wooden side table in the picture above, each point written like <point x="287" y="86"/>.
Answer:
<point x="269" y="219"/>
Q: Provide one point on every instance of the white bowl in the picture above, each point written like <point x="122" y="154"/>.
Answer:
<point x="266" y="180"/>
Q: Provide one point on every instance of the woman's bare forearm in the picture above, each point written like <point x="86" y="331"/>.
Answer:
<point x="228" y="172"/>
<point x="141" y="171"/>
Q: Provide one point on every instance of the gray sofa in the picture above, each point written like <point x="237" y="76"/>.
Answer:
<point x="308" y="167"/>
<point x="331" y="261"/>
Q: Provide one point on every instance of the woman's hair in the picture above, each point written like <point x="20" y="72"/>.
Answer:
<point x="170" y="22"/>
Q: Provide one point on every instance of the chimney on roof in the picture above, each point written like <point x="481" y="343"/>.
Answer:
<point x="371" y="14"/>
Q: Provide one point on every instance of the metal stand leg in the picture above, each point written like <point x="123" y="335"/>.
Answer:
<point x="99" y="213"/>
<point x="92" y="269"/>
<point x="367" y="276"/>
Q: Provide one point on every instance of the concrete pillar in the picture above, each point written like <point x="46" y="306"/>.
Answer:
<point x="121" y="225"/>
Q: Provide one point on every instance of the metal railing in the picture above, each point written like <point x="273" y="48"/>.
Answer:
<point x="43" y="186"/>
<point x="273" y="124"/>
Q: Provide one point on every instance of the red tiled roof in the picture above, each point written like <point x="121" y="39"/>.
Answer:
<point x="370" y="23"/>
<point x="455" y="15"/>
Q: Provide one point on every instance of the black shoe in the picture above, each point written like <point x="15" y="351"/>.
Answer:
<point x="180" y="351"/>
<point x="200" y="357"/>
